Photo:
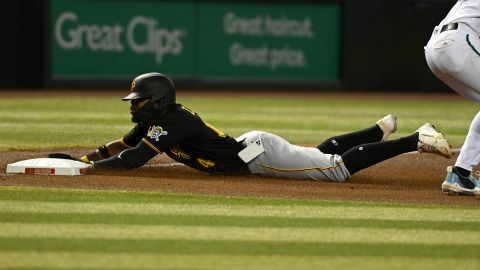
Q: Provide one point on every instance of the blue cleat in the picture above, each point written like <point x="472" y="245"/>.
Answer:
<point x="459" y="185"/>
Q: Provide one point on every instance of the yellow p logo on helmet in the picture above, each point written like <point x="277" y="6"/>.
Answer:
<point x="133" y="86"/>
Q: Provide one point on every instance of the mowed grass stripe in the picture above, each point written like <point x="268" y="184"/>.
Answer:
<point x="223" y="221"/>
<point x="107" y="261"/>
<point x="10" y="193"/>
<point x="319" y="235"/>
<point x="120" y="261"/>
<point x="295" y="211"/>
<point x="135" y="246"/>
<point x="274" y="114"/>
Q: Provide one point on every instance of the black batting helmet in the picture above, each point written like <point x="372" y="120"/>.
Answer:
<point x="154" y="86"/>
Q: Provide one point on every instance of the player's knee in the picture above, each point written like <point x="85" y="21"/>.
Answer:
<point x="329" y="146"/>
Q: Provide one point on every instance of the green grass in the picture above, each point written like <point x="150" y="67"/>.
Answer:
<point x="54" y="122"/>
<point x="95" y="230"/>
<point x="77" y="229"/>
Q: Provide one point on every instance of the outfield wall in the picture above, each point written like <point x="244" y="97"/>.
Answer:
<point x="336" y="44"/>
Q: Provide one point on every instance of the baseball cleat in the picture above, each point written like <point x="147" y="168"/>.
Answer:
<point x="476" y="190"/>
<point x="456" y="184"/>
<point x="388" y="125"/>
<point x="431" y="141"/>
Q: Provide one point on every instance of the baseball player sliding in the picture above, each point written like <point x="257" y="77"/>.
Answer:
<point x="163" y="126"/>
<point x="453" y="55"/>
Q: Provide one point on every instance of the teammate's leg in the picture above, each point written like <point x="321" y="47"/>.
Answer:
<point x="341" y="143"/>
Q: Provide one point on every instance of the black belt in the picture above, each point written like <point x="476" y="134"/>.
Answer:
<point x="448" y="27"/>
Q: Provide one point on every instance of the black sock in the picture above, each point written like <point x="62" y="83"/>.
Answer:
<point x="342" y="143"/>
<point x="463" y="172"/>
<point x="366" y="155"/>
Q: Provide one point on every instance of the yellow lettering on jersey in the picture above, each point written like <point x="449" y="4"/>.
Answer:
<point x="218" y="131"/>
<point x="188" y="110"/>
<point x="176" y="151"/>
<point x="206" y="163"/>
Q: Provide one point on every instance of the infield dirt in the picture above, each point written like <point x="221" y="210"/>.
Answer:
<point x="408" y="178"/>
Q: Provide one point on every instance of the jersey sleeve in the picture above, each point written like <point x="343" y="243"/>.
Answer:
<point x="135" y="135"/>
<point x="128" y="159"/>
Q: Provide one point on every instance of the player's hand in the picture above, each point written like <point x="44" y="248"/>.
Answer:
<point x="83" y="159"/>
<point x="62" y="156"/>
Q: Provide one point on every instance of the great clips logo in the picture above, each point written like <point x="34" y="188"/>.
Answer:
<point x="141" y="35"/>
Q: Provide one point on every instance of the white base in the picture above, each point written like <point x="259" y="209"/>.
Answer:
<point x="48" y="166"/>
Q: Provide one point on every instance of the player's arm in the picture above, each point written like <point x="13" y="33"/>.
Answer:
<point x="127" y="159"/>
<point x="105" y="151"/>
<point x="113" y="148"/>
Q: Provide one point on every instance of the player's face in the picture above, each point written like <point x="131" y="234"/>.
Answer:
<point x="135" y="106"/>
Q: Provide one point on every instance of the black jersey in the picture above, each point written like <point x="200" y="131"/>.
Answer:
<point x="183" y="136"/>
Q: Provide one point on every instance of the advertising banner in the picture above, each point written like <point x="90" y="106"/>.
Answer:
<point x="108" y="39"/>
<point x="269" y="41"/>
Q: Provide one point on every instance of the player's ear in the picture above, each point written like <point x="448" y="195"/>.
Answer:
<point x="158" y="103"/>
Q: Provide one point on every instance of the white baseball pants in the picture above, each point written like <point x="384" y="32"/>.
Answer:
<point x="454" y="57"/>
<point x="285" y="160"/>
